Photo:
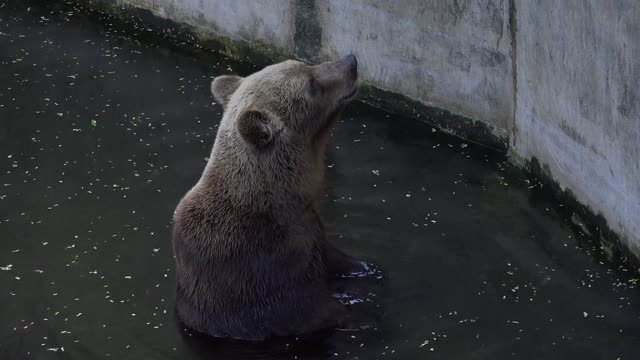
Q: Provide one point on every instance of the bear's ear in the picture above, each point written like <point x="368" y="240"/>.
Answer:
<point x="256" y="128"/>
<point x="223" y="87"/>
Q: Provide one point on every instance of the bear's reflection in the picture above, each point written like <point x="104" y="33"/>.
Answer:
<point x="312" y="346"/>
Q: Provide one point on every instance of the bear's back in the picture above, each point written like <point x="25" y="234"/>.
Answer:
<point x="234" y="262"/>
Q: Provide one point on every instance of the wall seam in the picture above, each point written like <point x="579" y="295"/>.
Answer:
<point x="307" y="35"/>
<point x="513" y="28"/>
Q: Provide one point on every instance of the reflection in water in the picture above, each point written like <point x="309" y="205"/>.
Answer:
<point x="316" y="346"/>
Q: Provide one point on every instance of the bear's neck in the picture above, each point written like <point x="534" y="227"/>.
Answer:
<point x="292" y="179"/>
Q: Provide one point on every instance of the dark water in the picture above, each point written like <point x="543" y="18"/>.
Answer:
<point x="479" y="263"/>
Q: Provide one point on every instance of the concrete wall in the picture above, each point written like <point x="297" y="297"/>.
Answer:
<point x="269" y="21"/>
<point x="560" y="81"/>
<point x="452" y="55"/>
<point x="449" y="54"/>
<point x="578" y="102"/>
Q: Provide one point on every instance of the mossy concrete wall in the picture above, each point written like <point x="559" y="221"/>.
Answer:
<point x="450" y="55"/>
<point x="555" y="82"/>
<point x="578" y="102"/>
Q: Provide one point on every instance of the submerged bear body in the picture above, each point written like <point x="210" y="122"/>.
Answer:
<point x="252" y="258"/>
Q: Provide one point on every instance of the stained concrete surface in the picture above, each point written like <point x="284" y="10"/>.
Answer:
<point x="578" y="103"/>
<point x="479" y="262"/>
<point x="453" y="55"/>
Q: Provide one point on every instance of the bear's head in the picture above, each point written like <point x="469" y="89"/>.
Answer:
<point x="275" y="127"/>
<point x="286" y="105"/>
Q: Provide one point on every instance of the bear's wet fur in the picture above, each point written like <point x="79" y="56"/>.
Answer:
<point x="252" y="257"/>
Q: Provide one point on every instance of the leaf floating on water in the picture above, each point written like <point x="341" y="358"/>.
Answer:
<point x="94" y="123"/>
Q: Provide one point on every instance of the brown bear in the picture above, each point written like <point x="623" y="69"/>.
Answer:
<point x="252" y="258"/>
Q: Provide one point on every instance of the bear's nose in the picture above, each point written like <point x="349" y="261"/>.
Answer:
<point x="353" y="64"/>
